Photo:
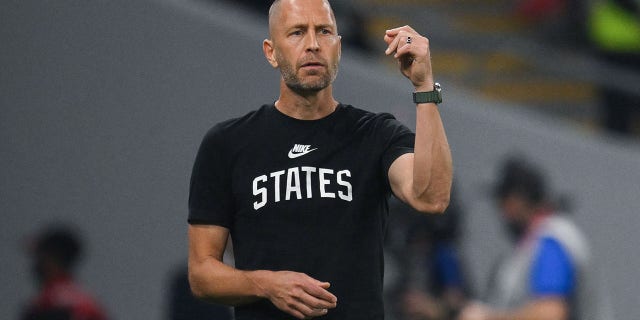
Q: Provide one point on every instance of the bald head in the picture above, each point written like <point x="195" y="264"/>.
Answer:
<point x="278" y="6"/>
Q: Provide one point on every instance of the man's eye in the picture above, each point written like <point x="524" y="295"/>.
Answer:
<point x="296" y="33"/>
<point x="325" y="31"/>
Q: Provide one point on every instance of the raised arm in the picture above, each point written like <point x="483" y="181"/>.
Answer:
<point x="212" y="280"/>
<point x="421" y="179"/>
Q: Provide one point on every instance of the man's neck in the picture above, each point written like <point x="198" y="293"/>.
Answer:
<point x="306" y="106"/>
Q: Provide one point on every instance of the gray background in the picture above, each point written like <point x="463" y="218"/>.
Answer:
<point x="103" y="105"/>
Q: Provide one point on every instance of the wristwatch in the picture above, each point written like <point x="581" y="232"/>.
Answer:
<point x="434" y="96"/>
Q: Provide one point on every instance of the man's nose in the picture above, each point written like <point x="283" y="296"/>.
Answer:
<point x="312" y="42"/>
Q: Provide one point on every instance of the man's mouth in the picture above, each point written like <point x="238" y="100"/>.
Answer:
<point x="312" y="64"/>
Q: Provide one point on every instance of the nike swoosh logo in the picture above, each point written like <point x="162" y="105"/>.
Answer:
<point x="293" y="155"/>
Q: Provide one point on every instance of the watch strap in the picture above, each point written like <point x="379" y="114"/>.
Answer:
<point x="434" y="96"/>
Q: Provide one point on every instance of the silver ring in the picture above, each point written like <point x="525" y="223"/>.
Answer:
<point x="408" y="40"/>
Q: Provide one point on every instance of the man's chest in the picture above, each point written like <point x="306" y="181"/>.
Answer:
<point x="303" y="169"/>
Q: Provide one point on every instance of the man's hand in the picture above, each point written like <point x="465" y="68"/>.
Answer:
<point x="549" y="308"/>
<point x="296" y="293"/>
<point x="419" y="305"/>
<point x="474" y="311"/>
<point x="414" y="57"/>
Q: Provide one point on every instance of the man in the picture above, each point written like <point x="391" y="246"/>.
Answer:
<point x="547" y="274"/>
<point x="301" y="185"/>
<point x="55" y="254"/>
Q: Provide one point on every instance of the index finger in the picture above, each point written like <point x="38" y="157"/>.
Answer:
<point x="393" y="32"/>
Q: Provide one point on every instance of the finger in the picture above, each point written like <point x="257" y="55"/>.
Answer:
<point x="293" y="307"/>
<point x="393" y="32"/>
<point x="403" y="40"/>
<point x="322" y="294"/>
<point x="404" y="47"/>
<point x="316" y="313"/>
<point x="405" y="53"/>
<point x="316" y="303"/>
<point x="295" y="312"/>
<point x="388" y="38"/>
<point x="319" y="312"/>
<point x="307" y="311"/>
<point x="319" y="290"/>
<point x="393" y="46"/>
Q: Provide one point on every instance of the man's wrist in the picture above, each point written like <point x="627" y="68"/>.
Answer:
<point x="431" y="95"/>
<point x="257" y="279"/>
<point x="424" y="88"/>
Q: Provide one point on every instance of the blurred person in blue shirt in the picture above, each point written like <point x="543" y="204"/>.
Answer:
<point x="547" y="273"/>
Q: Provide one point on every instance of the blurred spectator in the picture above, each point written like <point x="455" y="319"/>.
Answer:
<point x="55" y="253"/>
<point x="433" y="286"/>
<point x="561" y="22"/>
<point x="547" y="274"/>
<point x="614" y="31"/>
<point x="536" y="10"/>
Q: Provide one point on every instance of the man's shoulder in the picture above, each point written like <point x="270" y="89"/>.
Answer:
<point x="559" y="225"/>
<point x="247" y="119"/>
<point x="568" y="234"/>
<point x="238" y="123"/>
<point x="359" y="114"/>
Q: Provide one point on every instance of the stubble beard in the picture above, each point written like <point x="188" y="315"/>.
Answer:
<point x="297" y="84"/>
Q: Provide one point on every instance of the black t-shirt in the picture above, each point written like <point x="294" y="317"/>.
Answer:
<point x="304" y="196"/>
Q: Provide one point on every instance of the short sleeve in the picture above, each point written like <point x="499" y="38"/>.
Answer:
<point x="552" y="272"/>
<point x="210" y="193"/>
<point x="398" y="140"/>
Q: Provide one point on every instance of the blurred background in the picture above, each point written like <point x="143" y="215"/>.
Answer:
<point x="103" y="105"/>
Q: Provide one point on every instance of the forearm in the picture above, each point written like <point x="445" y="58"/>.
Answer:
<point x="423" y="182"/>
<point x="214" y="281"/>
<point x="432" y="163"/>
<point x="542" y="309"/>
<point x="210" y="278"/>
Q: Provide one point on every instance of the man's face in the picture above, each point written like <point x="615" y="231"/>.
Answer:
<point x="515" y="213"/>
<point x="305" y="45"/>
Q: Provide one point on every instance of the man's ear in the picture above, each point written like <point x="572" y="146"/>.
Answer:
<point x="269" y="52"/>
